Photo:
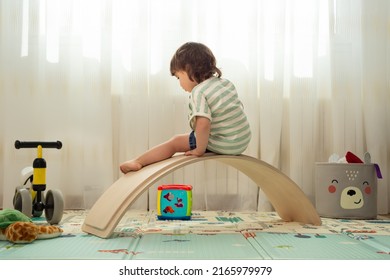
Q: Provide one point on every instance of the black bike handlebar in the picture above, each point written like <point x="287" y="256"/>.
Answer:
<point x="35" y="144"/>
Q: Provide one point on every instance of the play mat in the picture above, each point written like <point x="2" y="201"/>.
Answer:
<point x="211" y="235"/>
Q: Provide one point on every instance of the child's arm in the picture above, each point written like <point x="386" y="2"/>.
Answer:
<point x="202" y="131"/>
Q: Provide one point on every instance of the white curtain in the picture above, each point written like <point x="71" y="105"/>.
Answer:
<point x="313" y="76"/>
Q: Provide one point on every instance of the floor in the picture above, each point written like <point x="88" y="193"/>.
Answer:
<point x="222" y="235"/>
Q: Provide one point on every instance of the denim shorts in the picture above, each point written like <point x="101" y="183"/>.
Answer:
<point x="192" y="140"/>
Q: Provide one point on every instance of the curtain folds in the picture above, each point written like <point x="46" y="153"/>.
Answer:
<point x="313" y="76"/>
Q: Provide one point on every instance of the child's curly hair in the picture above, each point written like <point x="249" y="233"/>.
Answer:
<point x="196" y="60"/>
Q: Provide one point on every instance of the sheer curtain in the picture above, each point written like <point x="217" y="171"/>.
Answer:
<point x="313" y="77"/>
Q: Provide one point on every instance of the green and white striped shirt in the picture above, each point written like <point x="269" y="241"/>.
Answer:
<point x="217" y="100"/>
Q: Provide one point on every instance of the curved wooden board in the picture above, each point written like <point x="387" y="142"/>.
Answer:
<point x="286" y="197"/>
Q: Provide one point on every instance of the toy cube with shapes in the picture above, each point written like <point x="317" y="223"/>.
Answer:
<point x="174" y="202"/>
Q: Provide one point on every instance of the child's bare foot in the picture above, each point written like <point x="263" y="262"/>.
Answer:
<point x="131" y="165"/>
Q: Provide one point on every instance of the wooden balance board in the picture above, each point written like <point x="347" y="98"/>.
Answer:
<point x="288" y="200"/>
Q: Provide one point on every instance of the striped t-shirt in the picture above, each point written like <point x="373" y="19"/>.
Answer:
<point x="217" y="100"/>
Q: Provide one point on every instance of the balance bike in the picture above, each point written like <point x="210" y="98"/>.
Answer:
<point x="30" y="198"/>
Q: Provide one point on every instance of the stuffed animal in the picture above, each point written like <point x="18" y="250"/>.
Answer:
<point x="16" y="227"/>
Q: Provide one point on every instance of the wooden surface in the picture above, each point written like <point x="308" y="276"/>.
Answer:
<point x="286" y="197"/>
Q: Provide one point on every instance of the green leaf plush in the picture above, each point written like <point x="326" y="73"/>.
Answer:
<point x="10" y="216"/>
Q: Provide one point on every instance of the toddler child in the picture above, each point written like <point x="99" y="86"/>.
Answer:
<point x="216" y="114"/>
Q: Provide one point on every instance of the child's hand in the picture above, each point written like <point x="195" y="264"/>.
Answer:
<point x="194" y="152"/>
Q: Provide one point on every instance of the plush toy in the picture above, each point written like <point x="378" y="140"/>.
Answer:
<point x="18" y="228"/>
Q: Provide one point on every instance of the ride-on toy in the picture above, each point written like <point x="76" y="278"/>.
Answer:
<point x="30" y="198"/>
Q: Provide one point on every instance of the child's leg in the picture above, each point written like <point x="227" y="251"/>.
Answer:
<point x="177" y="144"/>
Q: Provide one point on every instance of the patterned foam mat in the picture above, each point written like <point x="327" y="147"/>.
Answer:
<point x="211" y="235"/>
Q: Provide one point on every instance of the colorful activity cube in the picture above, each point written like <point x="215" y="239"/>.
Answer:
<point x="174" y="202"/>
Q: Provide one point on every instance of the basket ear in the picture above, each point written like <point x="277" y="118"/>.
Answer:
<point x="367" y="158"/>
